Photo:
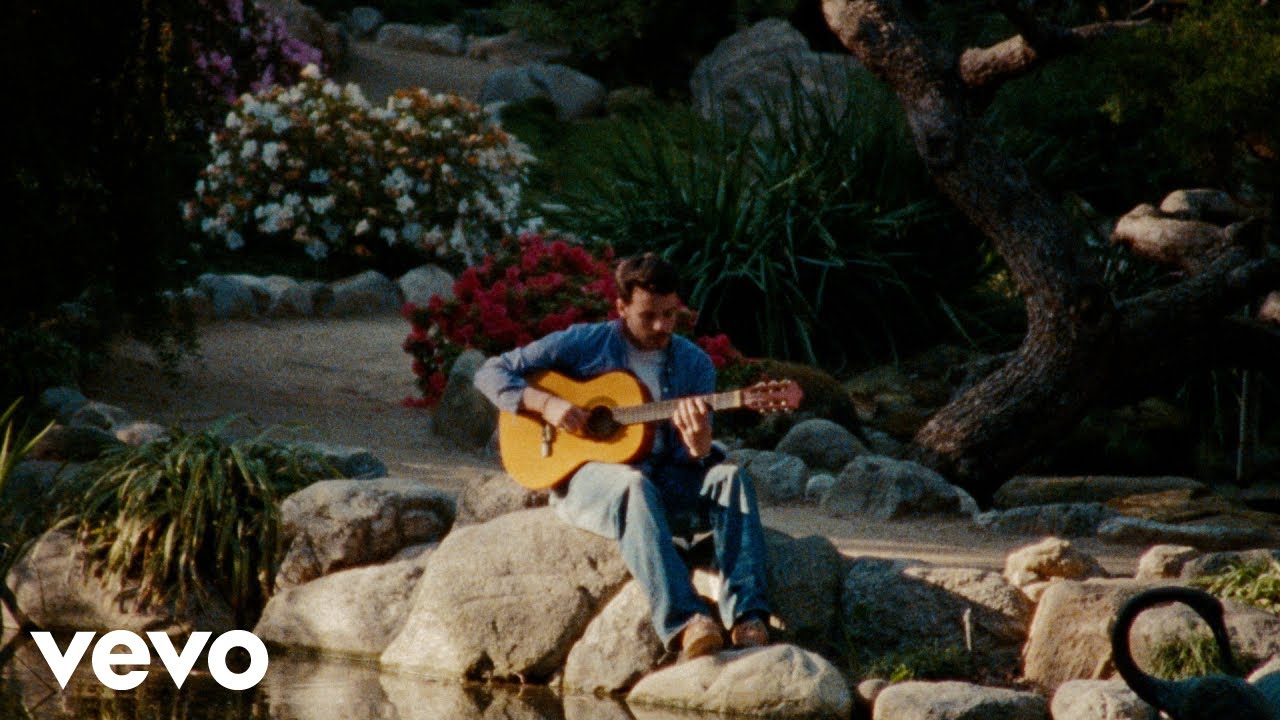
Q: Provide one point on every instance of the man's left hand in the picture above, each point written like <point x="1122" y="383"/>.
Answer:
<point x="693" y="419"/>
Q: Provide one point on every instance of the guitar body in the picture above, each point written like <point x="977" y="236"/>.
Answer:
<point x="521" y="439"/>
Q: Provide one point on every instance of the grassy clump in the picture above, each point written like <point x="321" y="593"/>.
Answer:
<point x="1254" y="582"/>
<point x="191" y="512"/>
<point x="1186" y="658"/>
<point x="927" y="662"/>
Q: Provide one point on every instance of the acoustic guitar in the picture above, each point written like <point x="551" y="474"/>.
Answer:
<point x="538" y="455"/>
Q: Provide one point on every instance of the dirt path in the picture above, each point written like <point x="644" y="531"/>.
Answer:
<point x="342" y="380"/>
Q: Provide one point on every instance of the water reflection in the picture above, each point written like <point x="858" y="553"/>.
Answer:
<point x="296" y="687"/>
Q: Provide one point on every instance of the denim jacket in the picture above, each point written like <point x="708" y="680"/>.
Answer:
<point x="586" y="350"/>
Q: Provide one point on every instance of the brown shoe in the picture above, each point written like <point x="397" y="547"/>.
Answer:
<point x="701" y="636"/>
<point x="750" y="633"/>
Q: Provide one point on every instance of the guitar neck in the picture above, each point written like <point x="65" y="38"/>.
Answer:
<point x="662" y="410"/>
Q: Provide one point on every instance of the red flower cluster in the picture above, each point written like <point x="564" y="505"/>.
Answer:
<point x="529" y="287"/>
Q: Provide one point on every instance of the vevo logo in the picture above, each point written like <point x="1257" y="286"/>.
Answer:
<point x="178" y="664"/>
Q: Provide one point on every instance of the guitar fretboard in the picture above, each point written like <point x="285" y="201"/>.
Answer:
<point x="662" y="410"/>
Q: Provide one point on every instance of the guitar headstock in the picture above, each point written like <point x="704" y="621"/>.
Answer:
<point x="773" y="396"/>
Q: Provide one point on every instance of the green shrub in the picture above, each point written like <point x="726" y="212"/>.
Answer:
<point x="314" y="167"/>
<point x="1187" y="658"/>
<point x="931" y="662"/>
<point x="818" y="237"/>
<point x="20" y="522"/>
<point x="191" y="512"/>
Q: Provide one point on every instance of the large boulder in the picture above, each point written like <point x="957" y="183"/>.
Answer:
<point x="894" y="605"/>
<point x="443" y="40"/>
<point x="618" y="647"/>
<point x="805" y="589"/>
<point x="574" y="94"/>
<point x="308" y="25"/>
<point x="952" y="700"/>
<point x="779" y="681"/>
<point x="352" y="612"/>
<point x="1099" y="700"/>
<point x="506" y="599"/>
<point x="422" y="283"/>
<point x="485" y="496"/>
<point x="889" y="489"/>
<point x="55" y="590"/>
<point x="512" y="48"/>
<point x="232" y="299"/>
<point x="748" y="74"/>
<point x="1255" y="633"/>
<point x="778" y="477"/>
<point x="821" y="443"/>
<point x="336" y="524"/>
<point x="1070" y="635"/>
<point x="464" y="415"/>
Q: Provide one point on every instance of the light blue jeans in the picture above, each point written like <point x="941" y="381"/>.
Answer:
<point x="640" y="506"/>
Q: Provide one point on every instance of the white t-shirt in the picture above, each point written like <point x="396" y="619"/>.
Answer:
<point x="647" y="365"/>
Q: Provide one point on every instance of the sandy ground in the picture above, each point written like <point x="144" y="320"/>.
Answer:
<point x="380" y="71"/>
<point x="342" y="381"/>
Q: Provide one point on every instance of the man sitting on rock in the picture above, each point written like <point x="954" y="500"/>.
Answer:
<point x="680" y="486"/>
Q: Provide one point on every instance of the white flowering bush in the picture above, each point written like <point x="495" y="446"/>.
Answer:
<point x="314" y="164"/>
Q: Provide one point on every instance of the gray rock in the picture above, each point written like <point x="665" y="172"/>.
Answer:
<point x="893" y="605"/>
<point x="888" y="489"/>
<point x="1061" y="519"/>
<point x="444" y="40"/>
<point x="364" y="21"/>
<point x="821" y="444"/>
<point x="287" y="298"/>
<point x="1137" y="531"/>
<point x="804" y="590"/>
<point x="778" y="477"/>
<point x="865" y="694"/>
<point x="957" y="701"/>
<point x="232" y="299"/>
<point x="351" y="612"/>
<point x="307" y="24"/>
<point x="337" y="524"/>
<point x="1070" y="635"/>
<point x="196" y="304"/>
<point x="26" y="491"/>
<point x="62" y="402"/>
<point x="1050" y="558"/>
<point x="67" y="443"/>
<point x="1099" y="700"/>
<point x="506" y="599"/>
<point x="99" y="415"/>
<point x="574" y="94"/>
<point x="618" y="647"/>
<point x="1164" y="562"/>
<point x="351" y="462"/>
<point x="368" y="293"/>
<point x="138" y="434"/>
<point x="779" y="681"/>
<point x="1035" y="490"/>
<point x="464" y="415"/>
<point x="818" y="485"/>
<point x="52" y="586"/>
<point x="489" y="495"/>
<point x="750" y="72"/>
<point x="420" y="284"/>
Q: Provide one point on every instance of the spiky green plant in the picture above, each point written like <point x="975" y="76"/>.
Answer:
<point x="815" y="235"/>
<point x="193" y="511"/>
<point x="17" y="525"/>
<point x="1180" y="659"/>
<point x="1253" y="582"/>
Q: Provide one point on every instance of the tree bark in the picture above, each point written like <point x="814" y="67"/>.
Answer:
<point x="1080" y="344"/>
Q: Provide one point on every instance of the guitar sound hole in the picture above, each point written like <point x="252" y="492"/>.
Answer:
<point x="600" y="423"/>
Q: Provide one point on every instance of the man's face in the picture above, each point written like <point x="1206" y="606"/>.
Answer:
<point x="649" y="319"/>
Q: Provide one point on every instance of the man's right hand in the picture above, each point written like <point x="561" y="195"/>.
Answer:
<point x="564" y="415"/>
<point x="555" y="410"/>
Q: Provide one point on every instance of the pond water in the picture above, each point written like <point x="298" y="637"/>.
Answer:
<point x="296" y="687"/>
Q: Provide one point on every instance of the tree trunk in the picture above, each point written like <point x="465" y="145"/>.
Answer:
<point x="1080" y="345"/>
